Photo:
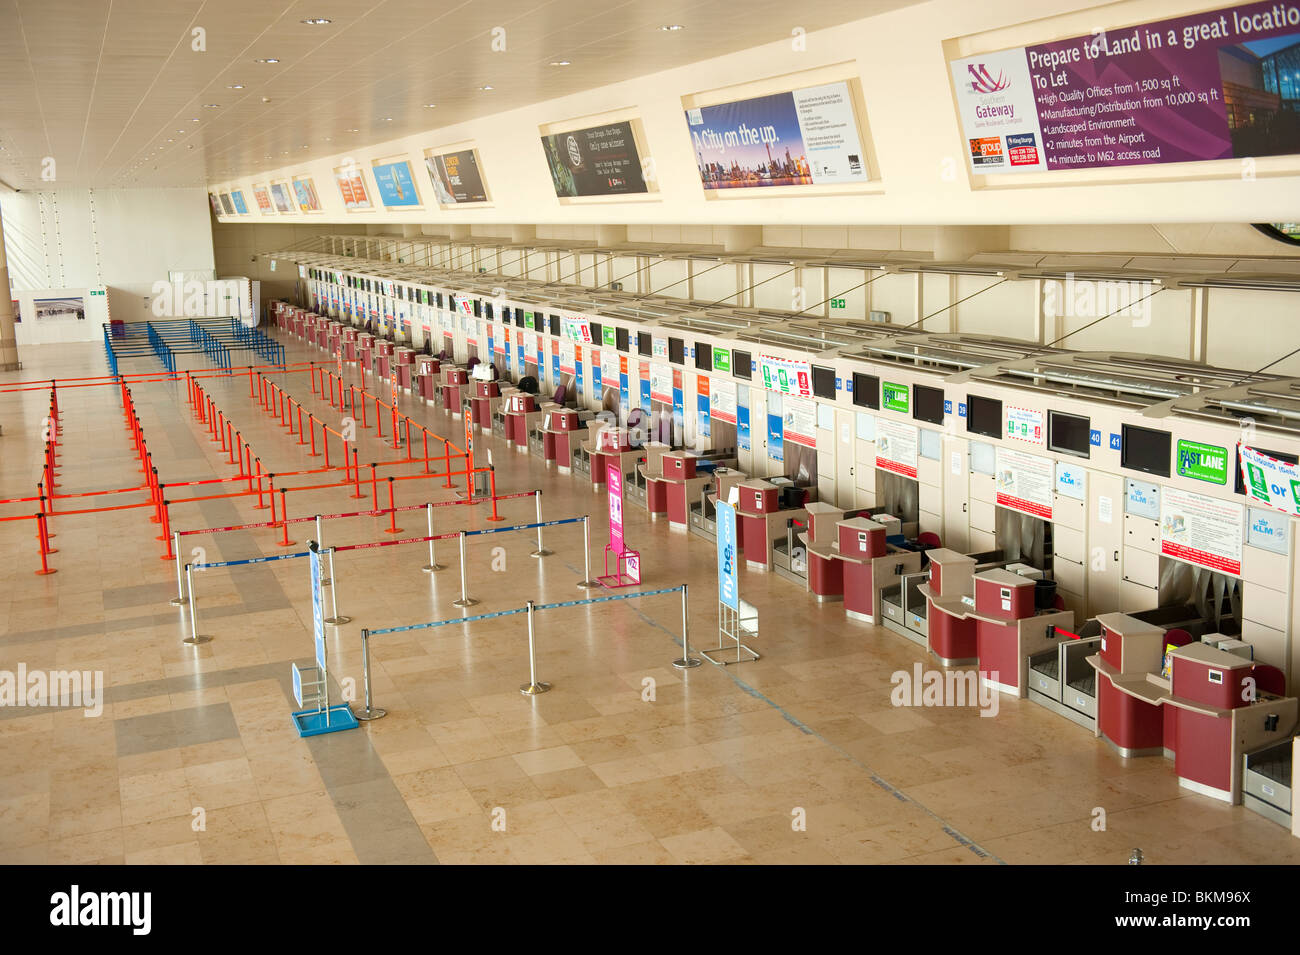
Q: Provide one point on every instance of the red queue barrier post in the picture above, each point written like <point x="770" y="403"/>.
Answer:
<point x="259" y="506"/>
<point x="446" y="460"/>
<point x="301" y="439"/>
<point x="311" y="421"/>
<point x="325" y="439"/>
<point x="374" y="490"/>
<point x="392" y="511"/>
<point x="426" y="449"/>
<point x="313" y="378"/>
<point x="167" y="531"/>
<point x="160" y="506"/>
<point x="284" y="519"/>
<point x="43" y="546"/>
<point x="356" y="474"/>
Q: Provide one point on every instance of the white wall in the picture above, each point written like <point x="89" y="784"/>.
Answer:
<point x="125" y="239"/>
<point x="900" y="60"/>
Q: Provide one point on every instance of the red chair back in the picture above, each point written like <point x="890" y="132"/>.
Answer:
<point x="929" y="538"/>
<point x="1179" y="638"/>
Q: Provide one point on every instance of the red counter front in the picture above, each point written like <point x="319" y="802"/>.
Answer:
<point x="1134" y="726"/>
<point x="951" y="638"/>
<point x="825" y="574"/>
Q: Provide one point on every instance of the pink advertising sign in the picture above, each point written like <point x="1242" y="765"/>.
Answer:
<point x="614" y="482"/>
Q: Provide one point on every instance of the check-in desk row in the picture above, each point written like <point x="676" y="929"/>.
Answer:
<point x="1210" y="712"/>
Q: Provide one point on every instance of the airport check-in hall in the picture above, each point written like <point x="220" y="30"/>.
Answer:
<point x="866" y="434"/>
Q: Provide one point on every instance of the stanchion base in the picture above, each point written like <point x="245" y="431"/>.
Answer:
<point x="179" y="601"/>
<point x="337" y="621"/>
<point x="46" y="573"/>
<point x="467" y="602"/>
<point x="377" y="713"/>
<point x="171" y="557"/>
<point x="542" y="553"/>
<point x="430" y="568"/>
<point x="195" y="641"/>
<point x="686" y="663"/>
<point x="393" y="530"/>
<point x="285" y="543"/>
<point x="588" y="584"/>
<point x="533" y="689"/>
<point x="498" y="518"/>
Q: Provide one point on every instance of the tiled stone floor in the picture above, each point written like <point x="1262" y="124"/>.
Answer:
<point x="195" y="760"/>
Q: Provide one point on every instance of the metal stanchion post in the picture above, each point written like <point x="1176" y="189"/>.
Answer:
<point x="433" y="564"/>
<point x="335" y="620"/>
<point x="541" y="551"/>
<point x="371" y="712"/>
<point x="586" y="583"/>
<point x="532" y="687"/>
<point x="180" y="599"/>
<point x="465" y="599"/>
<point x="320" y="541"/>
<point x="195" y="638"/>
<point x="687" y="661"/>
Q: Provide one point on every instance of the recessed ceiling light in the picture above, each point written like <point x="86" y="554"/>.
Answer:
<point x="486" y="88"/>
<point x="672" y="27"/>
<point x="267" y="59"/>
<point x="388" y="119"/>
<point x="194" y="120"/>
<point x="316" y="21"/>
<point x="171" y="140"/>
<point x="430" y="105"/>
<point x="210" y="106"/>
<point x="560" y="63"/>
<point x="235" y="86"/>
<point x="354" y="130"/>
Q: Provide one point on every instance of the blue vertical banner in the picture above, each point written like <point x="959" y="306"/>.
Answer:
<point x="624" y="396"/>
<point x="645" y="395"/>
<point x="317" y="607"/>
<point x="577" y="377"/>
<point x="728" y="582"/>
<point x="775" y="435"/>
<point x="702" y="413"/>
<point x="679" y="414"/>
<point x="519" y="354"/>
<point x="742" y="427"/>
<point x="595" y="381"/>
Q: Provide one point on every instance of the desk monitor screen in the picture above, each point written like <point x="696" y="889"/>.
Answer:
<point x="644" y="344"/>
<point x="621" y="339"/>
<point x="1146" y="450"/>
<point x="984" y="416"/>
<point x="704" y="356"/>
<point x="742" y="364"/>
<point x="1068" y="433"/>
<point x="866" y="390"/>
<point x="823" y="382"/>
<point x="676" y="351"/>
<point x="555" y="325"/>
<point x="596" y="331"/>
<point x="927" y="404"/>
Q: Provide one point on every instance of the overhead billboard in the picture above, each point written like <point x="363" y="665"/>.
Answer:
<point x="237" y="197"/>
<point x="596" y="161"/>
<point x="305" y="192"/>
<point x="805" y="137"/>
<point x="351" y="182"/>
<point x="456" y="177"/>
<point x="263" y="197"/>
<point x="280" y="193"/>
<point x="1213" y="85"/>
<point x="395" y="184"/>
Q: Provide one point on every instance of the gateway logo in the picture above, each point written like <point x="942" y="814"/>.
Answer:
<point x="983" y="82"/>
<point x="74" y="908"/>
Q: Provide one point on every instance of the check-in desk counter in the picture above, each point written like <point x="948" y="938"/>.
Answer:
<point x="499" y="408"/>
<point x="704" y="510"/>
<point x="427" y="371"/>
<point x="825" y="570"/>
<point x="760" y="521"/>
<point x="1062" y="680"/>
<point x="638" y="490"/>
<point x="682" y="486"/>
<point x="951" y="632"/>
<point x="609" y="445"/>
<point x="348" y="340"/>
<point x="870" y="567"/>
<point x="487" y="395"/>
<point x="365" y="350"/>
<point x="584" y="444"/>
<point x="455" y="388"/>
<point x="1129" y="686"/>
<point x="404" y="366"/>
<point x="519" y="408"/>
<point x="1009" y="630"/>
<point x="559" y="432"/>
<point x="383" y="358"/>
<point x="1221" y="718"/>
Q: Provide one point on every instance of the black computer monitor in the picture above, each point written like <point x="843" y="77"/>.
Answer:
<point x="984" y="416"/>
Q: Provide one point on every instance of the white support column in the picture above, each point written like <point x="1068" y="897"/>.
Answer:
<point x="1040" y="314"/>
<point x="918" y="300"/>
<point x="1200" y="325"/>
<point x="8" y="335"/>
